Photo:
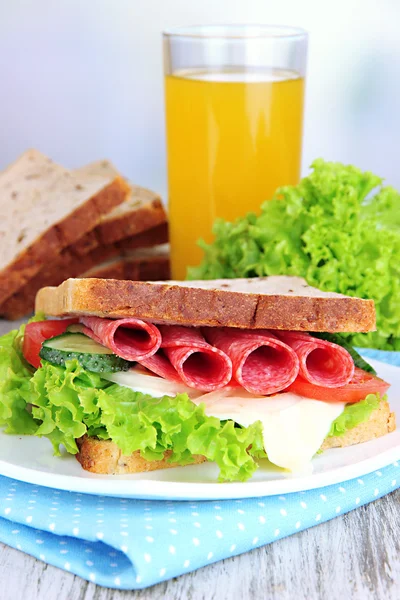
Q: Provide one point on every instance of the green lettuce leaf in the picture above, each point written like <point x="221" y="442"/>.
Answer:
<point x="15" y="376"/>
<point x="334" y="230"/>
<point x="64" y="404"/>
<point x="354" y="414"/>
<point x="70" y="402"/>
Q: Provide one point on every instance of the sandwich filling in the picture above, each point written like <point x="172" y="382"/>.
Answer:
<point x="285" y="416"/>
<point x="209" y="358"/>
<point x="231" y="395"/>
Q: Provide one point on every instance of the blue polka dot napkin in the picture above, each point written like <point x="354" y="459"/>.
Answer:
<point x="131" y="544"/>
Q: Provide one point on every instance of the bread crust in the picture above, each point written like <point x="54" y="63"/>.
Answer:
<point x="150" y="268"/>
<point x="124" y="226"/>
<point x="212" y="304"/>
<point x="104" y="457"/>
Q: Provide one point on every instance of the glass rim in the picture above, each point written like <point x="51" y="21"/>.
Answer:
<point x="236" y="31"/>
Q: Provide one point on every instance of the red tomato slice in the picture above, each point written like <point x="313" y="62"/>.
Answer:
<point x="36" y="333"/>
<point x="357" y="389"/>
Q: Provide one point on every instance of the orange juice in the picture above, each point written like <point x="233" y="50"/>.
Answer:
<point x="233" y="137"/>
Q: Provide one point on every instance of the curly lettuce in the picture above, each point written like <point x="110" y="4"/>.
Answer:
<point x="339" y="228"/>
<point x="71" y="402"/>
<point x="65" y="403"/>
<point x="355" y="414"/>
<point x="15" y="376"/>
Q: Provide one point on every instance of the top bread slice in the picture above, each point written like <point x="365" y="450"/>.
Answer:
<point x="44" y="208"/>
<point x="277" y="302"/>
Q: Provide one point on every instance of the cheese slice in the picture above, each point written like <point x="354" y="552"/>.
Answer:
<point x="294" y="427"/>
<point x="141" y="380"/>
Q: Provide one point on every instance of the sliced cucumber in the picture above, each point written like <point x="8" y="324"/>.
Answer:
<point x="90" y="355"/>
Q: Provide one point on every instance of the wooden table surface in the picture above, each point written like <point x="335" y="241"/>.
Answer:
<point x="353" y="557"/>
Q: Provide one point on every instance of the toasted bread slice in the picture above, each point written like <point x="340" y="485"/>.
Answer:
<point x="277" y="302"/>
<point x="146" y="239"/>
<point x="103" y="456"/>
<point x="43" y="209"/>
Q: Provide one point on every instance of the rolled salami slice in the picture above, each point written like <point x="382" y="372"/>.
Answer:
<point x="160" y="365"/>
<point x="131" y="339"/>
<point x="186" y="356"/>
<point x="321" y="363"/>
<point x="261" y="362"/>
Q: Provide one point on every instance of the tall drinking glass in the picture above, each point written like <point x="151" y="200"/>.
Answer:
<point x="234" y="119"/>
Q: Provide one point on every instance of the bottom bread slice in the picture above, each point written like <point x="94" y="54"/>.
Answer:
<point x="104" y="457"/>
<point x="381" y="422"/>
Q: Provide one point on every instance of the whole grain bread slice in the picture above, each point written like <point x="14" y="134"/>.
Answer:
<point x="277" y="302"/>
<point x="67" y="264"/>
<point x="142" y="210"/>
<point x="381" y="422"/>
<point x="43" y="209"/>
<point x="104" y="456"/>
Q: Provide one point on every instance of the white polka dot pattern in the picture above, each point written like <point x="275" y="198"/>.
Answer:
<point x="129" y="544"/>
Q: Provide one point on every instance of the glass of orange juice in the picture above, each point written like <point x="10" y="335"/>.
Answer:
<point x="234" y="120"/>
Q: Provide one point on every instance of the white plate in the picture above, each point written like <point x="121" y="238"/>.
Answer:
<point x="30" y="459"/>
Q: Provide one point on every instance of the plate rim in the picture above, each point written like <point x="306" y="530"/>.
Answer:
<point x="155" y="489"/>
<point x="163" y="490"/>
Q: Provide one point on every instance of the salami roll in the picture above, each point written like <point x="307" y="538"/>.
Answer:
<point x="186" y="356"/>
<point x="321" y="363"/>
<point x="262" y="363"/>
<point x="131" y="339"/>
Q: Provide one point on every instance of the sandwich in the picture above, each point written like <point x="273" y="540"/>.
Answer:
<point x="139" y="376"/>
